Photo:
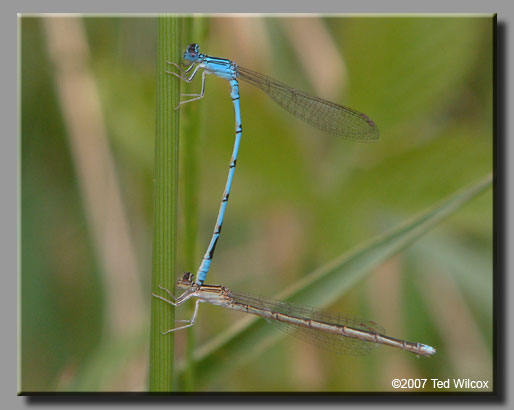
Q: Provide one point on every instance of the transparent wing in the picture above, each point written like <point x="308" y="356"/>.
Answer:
<point x="333" y="342"/>
<point x="319" y="113"/>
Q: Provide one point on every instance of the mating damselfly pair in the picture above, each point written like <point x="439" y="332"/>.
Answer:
<point x="336" y="332"/>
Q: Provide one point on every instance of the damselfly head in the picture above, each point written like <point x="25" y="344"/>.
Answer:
<point x="192" y="53"/>
<point x="186" y="281"/>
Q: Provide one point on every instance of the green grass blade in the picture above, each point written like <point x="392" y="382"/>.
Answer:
<point x="165" y="203"/>
<point x="327" y="284"/>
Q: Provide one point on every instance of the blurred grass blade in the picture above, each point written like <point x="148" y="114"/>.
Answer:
<point x="109" y="364"/>
<point x="165" y="203"/>
<point x="472" y="271"/>
<point x="252" y="335"/>
<point x="191" y="127"/>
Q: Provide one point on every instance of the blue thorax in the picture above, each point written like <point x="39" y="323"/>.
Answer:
<point x="221" y="67"/>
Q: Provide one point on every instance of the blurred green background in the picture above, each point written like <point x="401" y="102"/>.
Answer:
<point x="300" y="197"/>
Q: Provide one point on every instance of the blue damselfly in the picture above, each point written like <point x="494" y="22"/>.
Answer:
<point x="322" y="114"/>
